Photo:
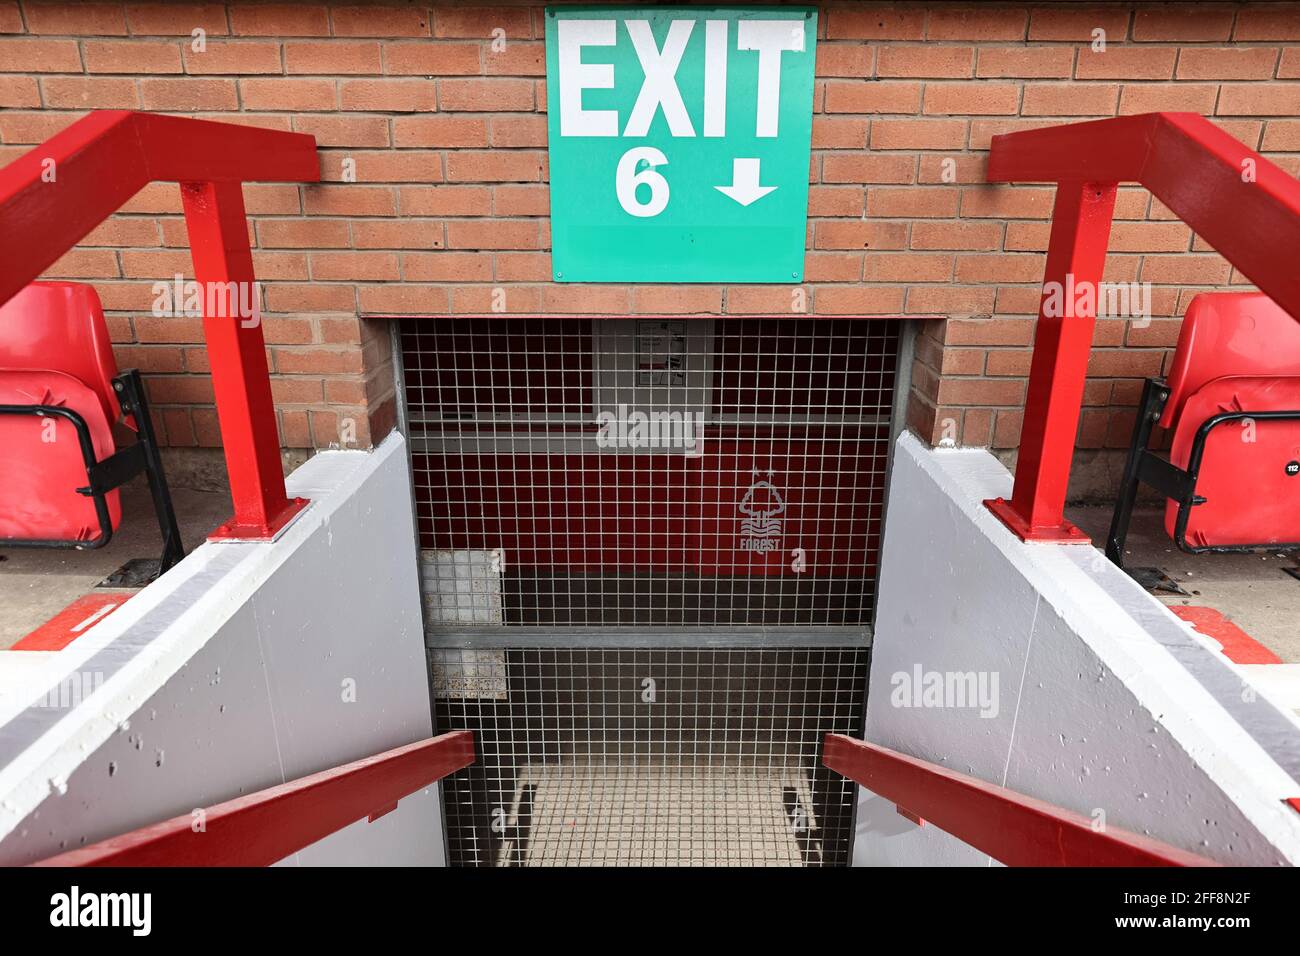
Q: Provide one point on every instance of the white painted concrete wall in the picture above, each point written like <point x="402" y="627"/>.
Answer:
<point x="1107" y="702"/>
<point x="227" y="676"/>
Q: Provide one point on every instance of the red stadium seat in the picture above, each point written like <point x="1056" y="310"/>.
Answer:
<point x="41" y="462"/>
<point x="60" y="396"/>
<point x="1232" y="400"/>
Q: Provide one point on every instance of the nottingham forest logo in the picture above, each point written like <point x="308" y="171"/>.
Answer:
<point x="760" y="529"/>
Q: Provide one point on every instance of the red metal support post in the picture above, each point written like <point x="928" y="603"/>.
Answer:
<point x="1076" y="259"/>
<point x="1246" y="207"/>
<point x="1010" y="827"/>
<point x="53" y="195"/>
<point x="223" y="267"/>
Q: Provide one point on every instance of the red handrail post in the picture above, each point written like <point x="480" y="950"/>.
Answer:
<point x="1243" y="205"/>
<point x="100" y="162"/>
<point x="218" y="233"/>
<point x="1076" y="259"/>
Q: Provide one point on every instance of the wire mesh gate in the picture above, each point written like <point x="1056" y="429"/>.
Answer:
<point x="642" y="756"/>
<point x="648" y="556"/>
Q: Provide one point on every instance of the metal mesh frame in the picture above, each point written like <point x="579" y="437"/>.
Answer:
<point x="582" y="762"/>
<point x="645" y="686"/>
<point x="759" y="505"/>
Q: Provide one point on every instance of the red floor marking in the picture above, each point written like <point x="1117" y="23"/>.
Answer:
<point x="1295" y="803"/>
<point x="1238" y="646"/>
<point x="70" y="623"/>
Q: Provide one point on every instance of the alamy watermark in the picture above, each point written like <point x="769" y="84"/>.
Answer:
<point x="632" y="428"/>
<point x="219" y="300"/>
<point x="1117" y="300"/>
<point x="71" y="690"/>
<point x="955" y="690"/>
<point x="74" y="908"/>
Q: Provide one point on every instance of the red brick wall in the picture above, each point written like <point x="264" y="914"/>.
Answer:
<point x="448" y="135"/>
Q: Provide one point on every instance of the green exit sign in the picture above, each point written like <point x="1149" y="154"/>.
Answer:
<point x="679" y="142"/>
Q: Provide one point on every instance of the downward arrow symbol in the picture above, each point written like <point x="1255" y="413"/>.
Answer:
<point x="744" y="186"/>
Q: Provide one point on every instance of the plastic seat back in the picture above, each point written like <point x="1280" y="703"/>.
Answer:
<point x="1250" y="469"/>
<point x="1237" y="352"/>
<point x="59" y="326"/>
<point x="1227" y="334"/>
<point x="41" y="465"/>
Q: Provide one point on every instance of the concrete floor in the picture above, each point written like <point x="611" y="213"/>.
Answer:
<point x="36" y="584"/>
<point x="1251" y="590"/>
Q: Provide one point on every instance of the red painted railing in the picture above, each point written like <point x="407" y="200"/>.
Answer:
<point x="1010" y="827"/>
<point x="1240" y="203"/>
<point x="51" y="197"/>
<point x="259" y="829"/>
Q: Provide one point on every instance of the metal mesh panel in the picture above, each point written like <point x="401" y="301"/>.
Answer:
<point x="620" y="472"/>
<point x="652" y="482"/>
<point x="603" y="757"/>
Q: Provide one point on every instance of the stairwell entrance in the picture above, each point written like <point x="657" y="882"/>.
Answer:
<point x="648" y="556"/>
